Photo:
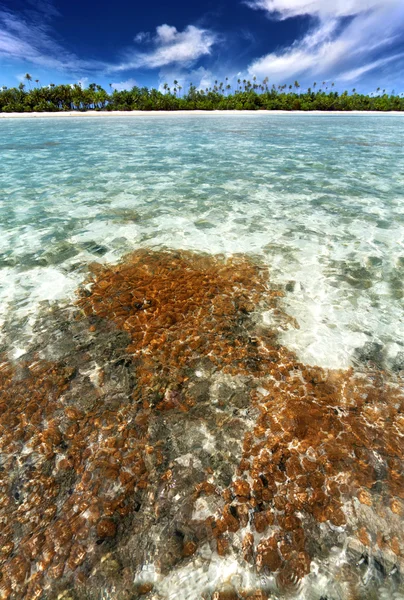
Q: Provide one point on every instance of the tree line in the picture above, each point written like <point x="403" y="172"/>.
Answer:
<point x="244" y="95"/>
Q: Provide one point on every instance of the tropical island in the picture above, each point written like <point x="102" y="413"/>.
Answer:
<point x="245" y="95"/>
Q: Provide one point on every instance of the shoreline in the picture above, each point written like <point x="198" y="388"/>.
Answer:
<point x="165" y="113"/>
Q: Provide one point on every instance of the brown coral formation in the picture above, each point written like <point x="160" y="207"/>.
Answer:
<point x="83" y="450"/>
<point x="322" y="441"/>
<point x="74" y="468"/>
<point x="68" y="477"/>
<point x="180" y="306"/>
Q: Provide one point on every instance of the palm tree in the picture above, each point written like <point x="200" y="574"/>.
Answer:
<point x="28" y="77"/>
<point x="37" y="81"/>
<point x="297" y="85"/>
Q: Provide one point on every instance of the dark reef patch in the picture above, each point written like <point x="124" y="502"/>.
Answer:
<point x="157" y="425"/>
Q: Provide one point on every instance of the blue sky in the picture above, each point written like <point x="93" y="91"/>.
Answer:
<point x="354" y="43"/>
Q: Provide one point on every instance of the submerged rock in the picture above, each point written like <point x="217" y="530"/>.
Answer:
<point x="371" y="353"/>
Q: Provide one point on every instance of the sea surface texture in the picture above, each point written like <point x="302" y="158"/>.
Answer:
<point x="202" y="357"/>
<point x="320" y="199"/>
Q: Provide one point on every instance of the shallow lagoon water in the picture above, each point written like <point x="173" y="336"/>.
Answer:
<point x="119" y="419"/>
<point x="319" y="198"/>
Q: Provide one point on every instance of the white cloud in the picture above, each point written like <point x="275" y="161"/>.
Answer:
<point x="206" y="81"/>
<point x="124" y="85"/>
<point x="334" y="48"/>
<point x="200" y="77"/>
<point x="28" y="38"/>
<point x="170" y="46"/>
<point x="355" y="74"/>
<point x="167" y="34"/>
<point x="142" y="36"/>
<point x="83" y="82"/>
<point x="318" y="8"/>
<point x="204" y="78"/>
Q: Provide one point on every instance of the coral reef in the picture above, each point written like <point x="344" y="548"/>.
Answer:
<point x="325" y="447"/>
<point x="180" y="306"/>
<point x="158" y="424"/>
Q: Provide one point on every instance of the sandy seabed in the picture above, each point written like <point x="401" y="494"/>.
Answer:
<point x="157" y="113"/>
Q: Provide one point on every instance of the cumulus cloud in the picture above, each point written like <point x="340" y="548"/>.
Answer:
<point x="335" y="47"/>
<point x="124" y="85"/>
<point x="170" y="46"/>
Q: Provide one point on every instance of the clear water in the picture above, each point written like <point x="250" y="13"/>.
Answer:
<point x="320" y="198"/>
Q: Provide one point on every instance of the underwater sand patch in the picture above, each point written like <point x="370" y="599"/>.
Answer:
<point x="167" y="392"/>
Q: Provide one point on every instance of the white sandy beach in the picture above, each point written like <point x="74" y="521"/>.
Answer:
<point x="165" y="113"/>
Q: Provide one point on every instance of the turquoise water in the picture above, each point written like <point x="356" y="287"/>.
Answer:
<point x="87" y="442"/>
<point x="319" y="198"/>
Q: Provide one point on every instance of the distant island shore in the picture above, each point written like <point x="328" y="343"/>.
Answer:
<point x="246" y="95"/>
<point x="160" y="113"/>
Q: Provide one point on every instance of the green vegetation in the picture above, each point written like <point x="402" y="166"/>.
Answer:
<point x="246" y="95"/>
